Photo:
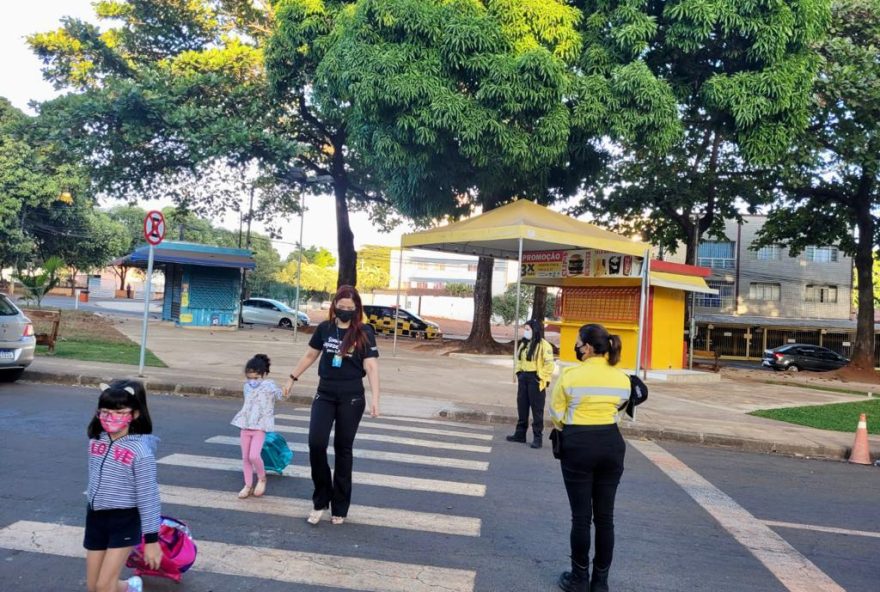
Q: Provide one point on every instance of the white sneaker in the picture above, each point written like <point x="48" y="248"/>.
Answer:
<point x="135" y="584"/>
<point x="315" y="516"/>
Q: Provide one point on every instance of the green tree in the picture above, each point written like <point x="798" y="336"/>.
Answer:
<point x="35" y="182"/>
<point x="131" y="218"/>
<point x="741" y="74"/>
<point x="39" y="280"/>
<point x="171" y="100"/>
<point x="505" y="305"/>
<point x="830" y="185"/>
<point x="465" y="105"/>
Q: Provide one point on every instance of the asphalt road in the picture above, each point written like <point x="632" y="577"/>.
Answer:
<point x="493" y="517"/>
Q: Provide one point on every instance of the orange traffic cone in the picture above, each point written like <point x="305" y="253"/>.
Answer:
<point x="861" y="453"/>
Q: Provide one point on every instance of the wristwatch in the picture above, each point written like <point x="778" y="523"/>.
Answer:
<point x="293" y="378"/>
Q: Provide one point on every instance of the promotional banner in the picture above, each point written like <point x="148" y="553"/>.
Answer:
<point x="584" y="263"/>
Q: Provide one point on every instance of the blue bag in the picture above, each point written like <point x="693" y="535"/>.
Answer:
<point x="276" y="454"/>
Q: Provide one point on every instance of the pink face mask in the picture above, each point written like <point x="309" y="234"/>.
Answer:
<point x="114" y="422"/>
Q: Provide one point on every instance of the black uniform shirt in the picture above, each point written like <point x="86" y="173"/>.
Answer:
<point x="327" y="339"/>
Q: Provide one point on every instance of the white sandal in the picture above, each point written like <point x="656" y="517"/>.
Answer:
<point x="315" y="516"/>
<point x="337" y="520"/>
<point x="245" y="492"/>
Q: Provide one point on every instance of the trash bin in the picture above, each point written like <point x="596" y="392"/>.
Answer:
<point x="84" y="296"/>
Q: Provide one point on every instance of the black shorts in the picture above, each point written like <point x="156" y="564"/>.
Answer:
<point x="112" y="529"/>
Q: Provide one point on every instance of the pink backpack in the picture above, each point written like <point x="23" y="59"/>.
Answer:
<point x="178" y="552"/>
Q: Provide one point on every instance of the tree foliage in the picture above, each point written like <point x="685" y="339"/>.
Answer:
<point x="830" y="183"/>
<point x="504" y="305"/>
<point x="741" y="75"/>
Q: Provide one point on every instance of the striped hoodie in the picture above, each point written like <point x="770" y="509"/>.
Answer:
<point x="122" y="474"/>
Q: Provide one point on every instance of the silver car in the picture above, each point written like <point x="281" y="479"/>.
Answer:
<point x="265" y="311"/>
<point x="17" y="341"/>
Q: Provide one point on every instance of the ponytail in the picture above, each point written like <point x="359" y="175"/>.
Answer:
<point x="614" y="347"/>
<point x="602" y="342"/>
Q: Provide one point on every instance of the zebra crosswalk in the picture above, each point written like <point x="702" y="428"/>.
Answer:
<point x="416" y="472"/>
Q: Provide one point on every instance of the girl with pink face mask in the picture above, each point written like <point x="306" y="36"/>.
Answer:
<point x="123" y="493"/>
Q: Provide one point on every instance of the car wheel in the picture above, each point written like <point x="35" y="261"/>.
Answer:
<point x="285" y="324"/>
<point x="11" y="375"/>
<point x="793" y="368"/>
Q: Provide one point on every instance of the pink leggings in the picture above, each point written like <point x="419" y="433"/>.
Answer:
<point x="251" y="446"/>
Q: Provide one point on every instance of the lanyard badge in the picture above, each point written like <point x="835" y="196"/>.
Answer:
<point x="337" y="361"/>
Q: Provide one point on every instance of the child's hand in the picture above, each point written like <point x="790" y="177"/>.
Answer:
<point x="287" y="388"/>
<point x="152" y="555"/>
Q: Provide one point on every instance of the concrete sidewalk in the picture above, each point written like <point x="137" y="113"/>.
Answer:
<point x="421" y="381"/>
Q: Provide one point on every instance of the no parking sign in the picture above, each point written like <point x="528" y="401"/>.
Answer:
<point x="154" y="233"/>
<point x="154" y="227"/>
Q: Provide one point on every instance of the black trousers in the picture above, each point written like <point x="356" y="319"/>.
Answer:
<point x="592" y="463"/>
<point x="529" y="397"/>
<point x="345" y="409"/>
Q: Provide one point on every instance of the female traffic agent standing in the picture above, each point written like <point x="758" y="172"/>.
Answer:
<point x="534" y="369"/>
<point x="584" y="406"/>
<point x="348" y="352"/>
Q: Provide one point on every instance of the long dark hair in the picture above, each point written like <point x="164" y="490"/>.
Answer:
<point x="355" y="335"/>
<point x="537" y="337"/>
<point x="123" y="394"/>
<point x="601" y="341"/>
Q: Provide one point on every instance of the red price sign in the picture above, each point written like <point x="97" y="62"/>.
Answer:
<point x="154" y="227"/>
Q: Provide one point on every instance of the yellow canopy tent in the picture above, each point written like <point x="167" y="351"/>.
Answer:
<point x="507" y="231"/>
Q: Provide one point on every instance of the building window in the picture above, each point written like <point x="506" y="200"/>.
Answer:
<point x="717" y="254"/>
<point x="765" y="292"/>
<point x="770" y="253"/>
<point x="822" y="294"/>
<point x="472" y="267"/>
<point x="821" y="254"/>
<point x="723" y="299"/>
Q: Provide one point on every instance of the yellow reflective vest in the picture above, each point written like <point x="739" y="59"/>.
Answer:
<point x="588" y="394"/>
<point x="543" y="363"/>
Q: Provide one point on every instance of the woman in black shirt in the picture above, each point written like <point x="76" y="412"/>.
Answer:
<point x="348" y="352"/>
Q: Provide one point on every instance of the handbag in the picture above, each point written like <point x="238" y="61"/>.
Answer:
<point x="556" y="441"/>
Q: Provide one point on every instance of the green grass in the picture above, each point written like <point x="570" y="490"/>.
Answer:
<point x="838" y="417"/>
<point x="93" y="350"/>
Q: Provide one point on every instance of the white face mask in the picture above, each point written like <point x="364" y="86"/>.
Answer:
<point x="527" y="334"/>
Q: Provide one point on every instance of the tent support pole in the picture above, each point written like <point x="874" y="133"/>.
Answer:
<point x="397" y="306"/>
<point x="518" y="292"/>
<point x="643" y="308"/>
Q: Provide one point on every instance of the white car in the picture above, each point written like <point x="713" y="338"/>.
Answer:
<point x="265" y="311"/>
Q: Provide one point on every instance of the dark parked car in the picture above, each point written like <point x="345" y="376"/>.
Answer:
<point x="796" y="356"/>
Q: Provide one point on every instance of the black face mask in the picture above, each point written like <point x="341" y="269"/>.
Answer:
<point x="344" y="315"/>
<point x="578" y="353"/>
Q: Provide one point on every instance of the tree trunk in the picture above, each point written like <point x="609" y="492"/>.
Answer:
<point x="480" y="337"/>
<point x="863" y="349"/>
<point x="539" y="304"/>
<point x="344" y="236"/>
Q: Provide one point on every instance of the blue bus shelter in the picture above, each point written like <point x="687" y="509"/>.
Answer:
<point x="202" y="282"/>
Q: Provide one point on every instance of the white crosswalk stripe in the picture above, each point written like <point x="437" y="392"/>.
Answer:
<point x="421" y="420"/>
<point x="442" y="444"/>
<point x="413" y="459"/>
<point x="398" y="428"/>
<point x="398" y="440"/>
<point x="294" y="567"/>
<point x="378" y="479"/>
<point x="300" y="508"/>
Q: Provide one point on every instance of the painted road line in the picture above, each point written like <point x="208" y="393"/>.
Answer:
<point x="413" y="459"/>
<point x="439" y="422"/>
<point x="363" y="437"/>
<point x="300" y="472"/>
<point x="828" y="529"/>
<point x="793" y="570"/>
<point x="300" y="508"/>
<point x="293" y="567"/>
<point x="366" y="423"/>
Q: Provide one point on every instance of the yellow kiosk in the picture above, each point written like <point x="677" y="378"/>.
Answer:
<point x="605" y="278"/>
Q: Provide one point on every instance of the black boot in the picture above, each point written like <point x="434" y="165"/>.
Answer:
<point x="517" y="437"/>
<point x="576" y="580"/>
<point x="537" y="442"/>
<point x="599" y="582"/>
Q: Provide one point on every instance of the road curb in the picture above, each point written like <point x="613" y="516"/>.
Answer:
<point x="643" y="432"/>
<point x="631" y="430"/>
